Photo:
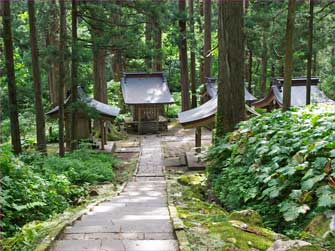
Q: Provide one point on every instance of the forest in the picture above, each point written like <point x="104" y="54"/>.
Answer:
<point x="210" y="123"/>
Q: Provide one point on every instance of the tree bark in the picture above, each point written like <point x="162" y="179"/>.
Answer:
<point x="62" y="48"/>
<point x="231" y="104"/>
<point x="183" y="57"/>
<point x="207" y="39"/>
<point x="310" y="52"/>
<point x="192" y="75"/>
<point x="99" y="72"/>
<point x="250" y="70"/>
<point x="289" y="55"/>
<point x="148" y="43"/>
<point x="157" y="60"/>
<point x="192" y="55"/>
<point x="52" y="44"/>
<point x="74" y="74"/>
<point x="264" y="66"/>
<point x="40" y="120"/>
<point x="9" y="58"/>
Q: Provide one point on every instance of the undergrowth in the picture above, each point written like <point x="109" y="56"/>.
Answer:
<point x="35" y="187"/>
<point x="279" y="164"/>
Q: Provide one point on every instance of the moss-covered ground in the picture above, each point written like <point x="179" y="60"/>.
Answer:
<point x="208" y="226"/>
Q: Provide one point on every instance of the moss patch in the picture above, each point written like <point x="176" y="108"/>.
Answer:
<point x="207" y="225"/>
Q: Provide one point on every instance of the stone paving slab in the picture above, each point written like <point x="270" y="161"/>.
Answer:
<point x="130" y="211"/>
<point x="77" y="245"/>
<point x="93" y="229"/>
<point x="136" y="220"/>
<point x="151" y="245"/>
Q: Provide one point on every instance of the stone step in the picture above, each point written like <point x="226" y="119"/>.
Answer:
<point x="120" y="236"/>
<point x="116" y="245"/>
<point x="128" y="211"/>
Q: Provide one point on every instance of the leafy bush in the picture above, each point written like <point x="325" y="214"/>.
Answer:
<point x="34" y="187"/>
<point x="279" y="164"/>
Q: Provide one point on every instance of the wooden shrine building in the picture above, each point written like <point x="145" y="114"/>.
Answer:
<point x="146" y="94"/>
<point x="88" y="109"/>
<point x="274" y="98"/>
<point x="204" y="115"/>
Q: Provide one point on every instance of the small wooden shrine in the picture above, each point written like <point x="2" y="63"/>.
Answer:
<point x="274" y="99"/>
<point x="146" y="94"/>
<point x="88" y="109"/>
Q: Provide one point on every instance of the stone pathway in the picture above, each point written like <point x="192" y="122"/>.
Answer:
<point x="137" y="220"/>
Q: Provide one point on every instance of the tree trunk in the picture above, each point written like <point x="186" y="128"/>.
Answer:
<point x="231" y="104"/>
<point x="192" y="75"/>
<point x="62" y="48"/>
<point x="250" y="71"/>
<point x="314" y="62"/>
<point x="99" y="72"/>
<point x="40" y="120"/>
<point x="207" y="39"/>
<point x="148" y="43"/>
<point x="74" y="74"/>
<point x="264" y="66"/>
<point x="52" y="44"/>
<point x="192" y="70"/>
<point x="289" y="55"/>
<point x="310" y="52"/>
<point x="201" y="31"/>
<point x="183" y="57"/>
<point x="157" y="61"/>
<point x="117" y="65"/>
<point x="9" y="58"/>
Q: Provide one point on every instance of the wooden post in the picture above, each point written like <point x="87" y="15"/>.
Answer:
<point x="198" y="139"/>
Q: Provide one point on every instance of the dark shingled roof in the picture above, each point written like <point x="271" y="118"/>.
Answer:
<point x="101" y="108"/>
<point x="145" y="88"/>
<point x="200" y="113"/>
<point x="298" y="95"/>
<point x="205" y="113"/>
<point x="212" y="90"/>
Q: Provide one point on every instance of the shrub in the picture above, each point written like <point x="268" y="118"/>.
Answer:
<point x="34" y="187"/>
<point x="279" y="164"/>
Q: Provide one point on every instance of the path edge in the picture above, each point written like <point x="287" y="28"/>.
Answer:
<point x="47" y="241"/>
<point x="178" y="225"/>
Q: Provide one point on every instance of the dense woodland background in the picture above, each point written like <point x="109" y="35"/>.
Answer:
<point x="278" y="164"/>
<point x="119" y="36"/>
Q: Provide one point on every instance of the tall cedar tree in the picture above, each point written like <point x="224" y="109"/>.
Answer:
<point x="183" y="57"/>
<point x="40" y="120"/>
<point x="62" y="48"/>
<point x="157" y="60"/>
<point x="310" y="51"/>
<point x="207" y="39"/>
<point x="9" y="58"/>
<point x="264" y="61"/>
<point x="148" y="42"/>
<point x="289" y="55"/>
<point x="231" y="106"/>
<point x="74" y="73"/>
<point x="52" y="44"/>
<point x="192" y="55"/>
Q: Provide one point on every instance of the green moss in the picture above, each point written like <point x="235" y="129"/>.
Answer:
<point x="191" y="180"/>
<point x="308" y="248"/>
<point x="318" y="226"/>
<point x="209" y="226"/>
<point x="247" y="216"/>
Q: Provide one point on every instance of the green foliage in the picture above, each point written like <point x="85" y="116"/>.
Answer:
<point x="278" y="164"/>
<point x="173" y="110"/>
<point x="34" y="187"/>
